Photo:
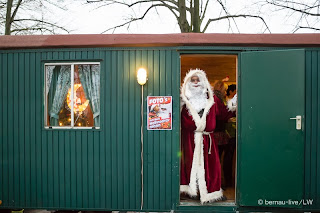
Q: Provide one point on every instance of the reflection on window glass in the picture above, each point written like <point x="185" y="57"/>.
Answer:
<point x="86" y="95"/>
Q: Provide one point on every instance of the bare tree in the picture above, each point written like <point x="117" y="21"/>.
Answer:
<point x="191" y="15"/>
<point x="308" y="12"/>
<point x="28" y="17"/>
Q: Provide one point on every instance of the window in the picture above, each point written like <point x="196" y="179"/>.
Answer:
<point x="72" y="95"/>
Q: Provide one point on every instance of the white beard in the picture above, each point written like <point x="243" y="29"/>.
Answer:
<point x="197" y="96"/>
<point x="164" y="115"/>
<point x="165" y="110"/>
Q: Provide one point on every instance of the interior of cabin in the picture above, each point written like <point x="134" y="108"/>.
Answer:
<point x="223" y="68"/>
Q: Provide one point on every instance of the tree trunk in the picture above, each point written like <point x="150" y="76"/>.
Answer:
<point x="183" y="23"/>
<point x="8" y="18"/>
<point x="196" y="17"/>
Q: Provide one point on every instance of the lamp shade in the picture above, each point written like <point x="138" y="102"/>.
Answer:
<point x="142" y="76"/>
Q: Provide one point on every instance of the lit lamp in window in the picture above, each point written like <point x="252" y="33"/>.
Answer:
<point x="77" y="105"/>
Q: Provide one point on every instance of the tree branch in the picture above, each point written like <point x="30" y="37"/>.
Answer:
<point x="310" y="28"/>
<point x="172" y="9"/>
<point x="164" y="2"/>
<point x="204" y="11"/>
<point x="15" y="11"/>
<point x="228" y="14"/>
<point x="111" y="2"/>
<point x="234" y="16"/>
<point x="134" y="19"/>
<point x="296" y="3"/>
<point x="294" y="9"/>
<point x="31" y="29"/>
<point x="40" y="21"/>
<point x="154" y="1"/>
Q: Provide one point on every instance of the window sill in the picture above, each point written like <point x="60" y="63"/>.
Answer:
<point x="65" y="127"/>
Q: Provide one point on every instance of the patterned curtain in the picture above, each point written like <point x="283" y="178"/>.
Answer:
<point x="90" y="79"/>
<point x="49" y="72"/>
<point x="60" y="84"/>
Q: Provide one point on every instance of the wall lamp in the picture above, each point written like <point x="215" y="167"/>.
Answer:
<point x="142" y="80"/>
<point x="142" y="76"/>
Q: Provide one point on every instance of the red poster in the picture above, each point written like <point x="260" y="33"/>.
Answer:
<point x="159" y="110"/>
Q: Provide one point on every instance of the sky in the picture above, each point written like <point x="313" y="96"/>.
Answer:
<point x="82" y="18"/>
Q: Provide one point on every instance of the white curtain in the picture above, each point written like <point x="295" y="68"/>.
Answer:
<point x="90" y="79"/>
<point x="61" y="85"/>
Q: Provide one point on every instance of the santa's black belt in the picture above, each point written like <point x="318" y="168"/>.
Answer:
<point x="207" y="133"/>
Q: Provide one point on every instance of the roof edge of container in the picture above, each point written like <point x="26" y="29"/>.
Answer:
<point x="148" y="40"/>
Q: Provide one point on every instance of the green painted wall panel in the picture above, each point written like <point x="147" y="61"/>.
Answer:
<point x="20" y="124"/>
<point x="312" y="159"/>
<point x="78" y="174"/>
<point x="15" y="120"/>
<point x="137" y="123"/>
<point x="73" y="170"/>
<point x="168" y="139"/>
<point x="39" y="118"/>
<point x="1" y="126"/>
<point x="314" y="122"/>
<point x="125" y="133"/>
<point x="156" y="136"/>
<point x="84" y="169"/>
<point x="107" y="132"/>
<point x="162" y="138"/>
<point x="175" y="151"/>
<point x="113" y="135"/>
<point x="4" y="138"/>
<point x="10" y="131"/>
<point x="318" y="136"/>
<point x="149" y="137"/>
<point x="132" y="133"/>
<point x="32" y="129"/>
<point x="100" y="169"/>
<point x="67" y="169"/>
<point x="118" y="124"/>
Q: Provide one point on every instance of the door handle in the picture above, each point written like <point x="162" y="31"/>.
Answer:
<point x="298" y="121"/>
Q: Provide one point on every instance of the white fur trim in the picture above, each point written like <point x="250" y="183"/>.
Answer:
<point x="197" y="175"/>
<point x="205" y="197"/>
<point x="200" y="122"/>
<point x="187" y="189"/>
<point x="212" y="197"/>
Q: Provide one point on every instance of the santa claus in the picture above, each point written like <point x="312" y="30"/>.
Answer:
<point x="200" y="165"/>
<point x="164" y="111"/>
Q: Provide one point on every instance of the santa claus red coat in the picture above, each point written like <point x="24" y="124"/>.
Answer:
<point x="200" y="165"/>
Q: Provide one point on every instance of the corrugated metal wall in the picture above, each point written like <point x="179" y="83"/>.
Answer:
<point x="100" y="169"/>
<point x="312" y="152"/>
<point x="88" y="169"/>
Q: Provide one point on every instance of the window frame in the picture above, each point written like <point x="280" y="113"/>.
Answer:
<point x="72" y="64"/>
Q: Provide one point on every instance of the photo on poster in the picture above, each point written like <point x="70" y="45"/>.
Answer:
<point x="159" y="110"/>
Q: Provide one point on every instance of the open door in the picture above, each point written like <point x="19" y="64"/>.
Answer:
<point x="271" y="140"/>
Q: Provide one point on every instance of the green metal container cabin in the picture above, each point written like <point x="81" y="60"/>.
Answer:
<point x="100" y="169"/>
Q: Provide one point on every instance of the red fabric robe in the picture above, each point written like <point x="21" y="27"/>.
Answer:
<point x="210" y="187"/>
